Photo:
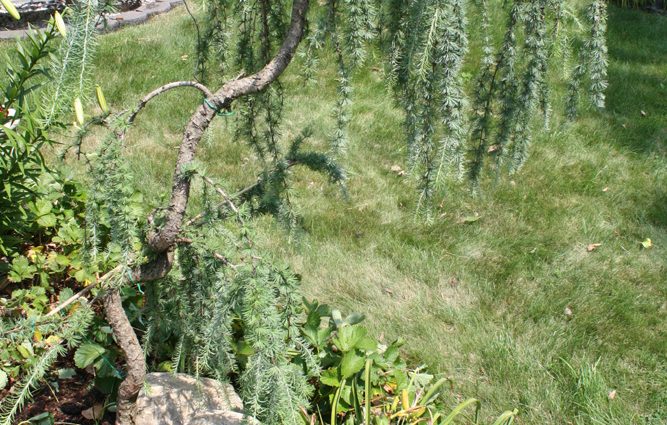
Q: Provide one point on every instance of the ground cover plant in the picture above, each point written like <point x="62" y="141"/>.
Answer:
<point x="380" y="260"/>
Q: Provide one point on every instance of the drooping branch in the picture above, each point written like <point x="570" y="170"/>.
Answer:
<point x="162" y="239"/>
<point x="142" y="103"/>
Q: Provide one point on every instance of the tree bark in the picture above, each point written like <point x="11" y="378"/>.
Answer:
<point x="134" y="357"/>
<point x="163" y="239"/>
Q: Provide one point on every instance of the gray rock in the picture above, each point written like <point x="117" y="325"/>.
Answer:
<point x="169" y="399"/>
<point x="221" y="417"/>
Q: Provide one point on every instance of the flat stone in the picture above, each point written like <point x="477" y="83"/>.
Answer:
<point x="175" y="399"/>
<point x="133" y="17"/>
<point x="12" y="34"/>
<point x="158" y="7"/>
<point x="221" y="417"/>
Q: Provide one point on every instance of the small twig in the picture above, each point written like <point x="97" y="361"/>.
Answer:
<point x="142" y="103"/>
<point x="224" y="260"/>
<point x="83" y="292"/>
<point x="222" y="193"/>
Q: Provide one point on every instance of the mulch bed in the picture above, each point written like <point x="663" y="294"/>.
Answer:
<point x="73" y="396"/>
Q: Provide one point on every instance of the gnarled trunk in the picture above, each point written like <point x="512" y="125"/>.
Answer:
<point x="163" y="239"/>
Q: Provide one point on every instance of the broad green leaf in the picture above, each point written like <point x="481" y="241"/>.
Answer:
<point x="25" y="349"/>
<point x="43" y="206"/>
<point x="348" y="336"/>
<point x="21" y="270"/>
<point x="87" y="354"/>
<point x="330" y="377"/>
<point x="48" y="220"/>
<point x="351" y="364"/>
<point x="45" y="418"/>
<point x="459" y="409"/>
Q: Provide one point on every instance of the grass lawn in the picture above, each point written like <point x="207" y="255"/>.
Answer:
<point x="513" y="307"/>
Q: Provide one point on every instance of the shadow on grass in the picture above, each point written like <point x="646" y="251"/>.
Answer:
<point x="637" y="94"/>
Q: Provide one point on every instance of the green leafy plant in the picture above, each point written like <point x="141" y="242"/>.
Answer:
<point x="363" y="381"/>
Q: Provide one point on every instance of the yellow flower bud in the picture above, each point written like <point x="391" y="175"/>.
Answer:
<point x="78" y="111"/>
<point x="11" y="9"/>
<point x="101" y="100"/>
<point x="60" y="23"/>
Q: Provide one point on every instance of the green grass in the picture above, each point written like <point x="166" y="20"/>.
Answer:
<point x="482" y="303"/>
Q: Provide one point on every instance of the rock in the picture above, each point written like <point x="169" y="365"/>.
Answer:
<point x="175" y="399"/>
<point x="221" y="417"/>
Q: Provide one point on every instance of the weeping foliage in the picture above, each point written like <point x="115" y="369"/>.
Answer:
<point x="426" y="42"/>
<point x="452" y="128"/>
<point x="457" y="122"/>
<point x="230" y="313"/>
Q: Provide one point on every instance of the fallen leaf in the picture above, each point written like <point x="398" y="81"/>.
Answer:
<point x="606" y="189"/>
<point x="94" y="413"/>
<point x="568" y="312"/>
<point x="493" y="148"/>
<point x="611" y="395"/>
<point x="470" y="219"/>
<point x="398" y="170"/>
<point x="647" y="243"/>
<point x="593" y="246"/>
<point x="643" y="114"/>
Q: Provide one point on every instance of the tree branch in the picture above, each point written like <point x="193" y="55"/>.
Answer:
<point x="83" y="292"/>
<point x="142" y="103"/>
<point x="162" y="239"/>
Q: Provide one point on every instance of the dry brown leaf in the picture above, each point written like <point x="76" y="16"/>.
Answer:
<point x="94" y="413"/>
<point x="593" y="246"/>
<point x="611" y="395"/>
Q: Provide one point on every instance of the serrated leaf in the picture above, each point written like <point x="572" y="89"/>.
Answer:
<point x="87" y="354"/>
<point x="330" y="377"/>
<point x="351" y="364"/>
<point x="48" y="220"/>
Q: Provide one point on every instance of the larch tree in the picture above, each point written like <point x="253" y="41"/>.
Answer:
<point x="464" y="117"/>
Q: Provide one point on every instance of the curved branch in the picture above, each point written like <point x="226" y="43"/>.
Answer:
<point x="162" y="239"/>
<point x="142" y="103"/>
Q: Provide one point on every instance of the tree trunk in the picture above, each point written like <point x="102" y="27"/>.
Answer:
<point x="134" y="357"/>
<point x="162" y="240"/>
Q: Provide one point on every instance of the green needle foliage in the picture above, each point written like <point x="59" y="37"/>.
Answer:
<point x="452" y="128"/>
